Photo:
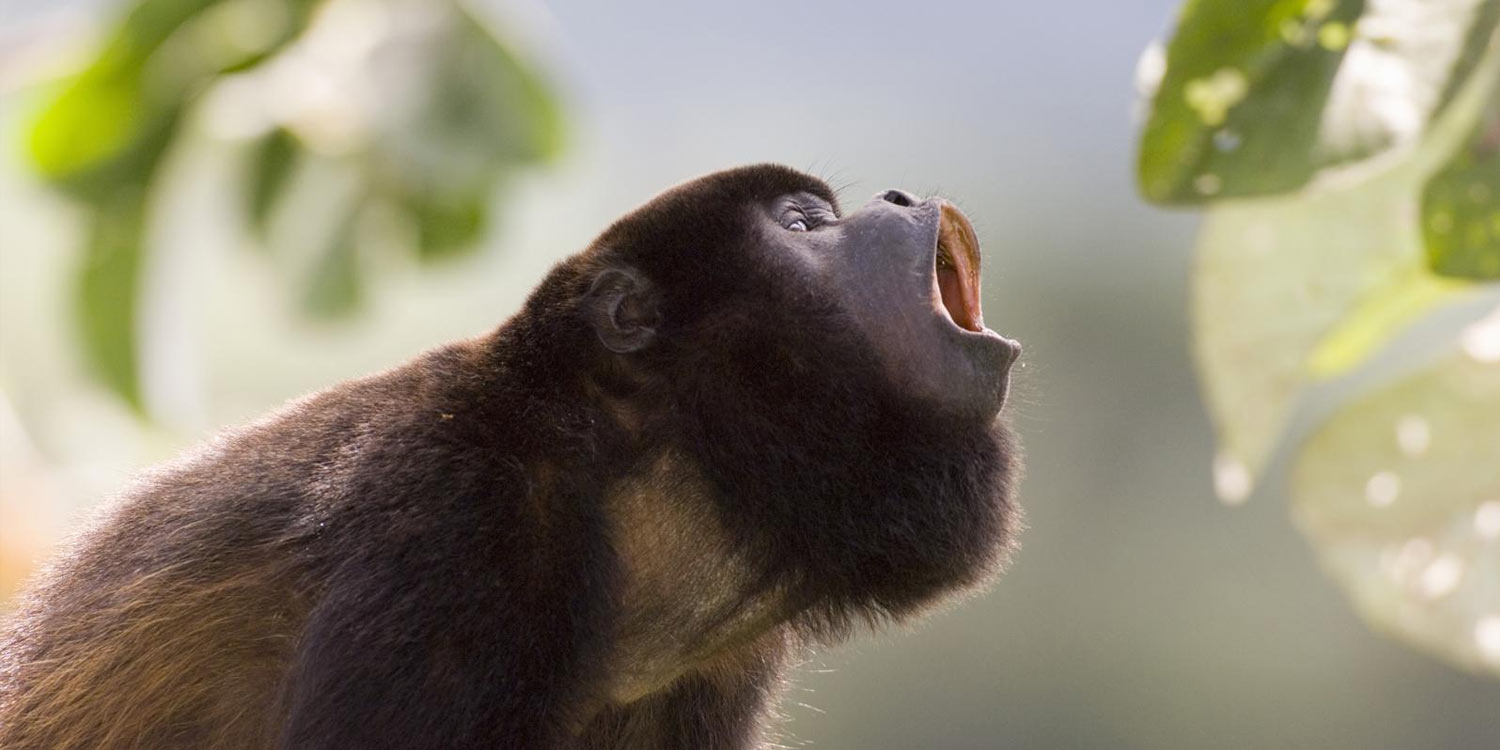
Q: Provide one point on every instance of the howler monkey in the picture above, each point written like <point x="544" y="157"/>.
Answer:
<point x="739" y="422"/>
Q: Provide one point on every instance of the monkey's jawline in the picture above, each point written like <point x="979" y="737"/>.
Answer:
<point x="957" y="269"/>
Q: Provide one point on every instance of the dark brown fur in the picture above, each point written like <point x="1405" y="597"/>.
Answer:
<point x="527" y="540"/>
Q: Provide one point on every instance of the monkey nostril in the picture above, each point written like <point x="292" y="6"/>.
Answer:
<point x="900" y="198"/>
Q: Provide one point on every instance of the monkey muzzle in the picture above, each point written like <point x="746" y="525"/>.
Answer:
<point x="912" y="271"/>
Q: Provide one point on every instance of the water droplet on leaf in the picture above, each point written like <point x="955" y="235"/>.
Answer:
<point x="1481" y="339"/>
<point x="1212" y="97"/>
<point x="1382" y="489"/>
<point x="1232" y="481"/>
<point x="1413" y="435"/>
<point x="1487" y="520"/>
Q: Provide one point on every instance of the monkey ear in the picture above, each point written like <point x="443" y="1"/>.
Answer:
<point x="621" y="306"/>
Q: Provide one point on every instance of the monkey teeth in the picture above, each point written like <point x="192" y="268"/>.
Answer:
<point x="957" y="267"/>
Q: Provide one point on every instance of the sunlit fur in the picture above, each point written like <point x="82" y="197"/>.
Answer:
<point x="525" y="540"/>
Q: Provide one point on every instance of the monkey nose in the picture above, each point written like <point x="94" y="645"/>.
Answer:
<point x="899" y="197"/>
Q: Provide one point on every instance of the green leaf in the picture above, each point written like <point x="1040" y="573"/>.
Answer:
<point x="1400" y="493"/>
<point x="476" y="113"/>
<point x="1292" y="291"/>
<point x="95" y="119"/>
<point x="1461" y="205"/>
<point x="1375" y="317"/>
<point x="485" y="89"/>
<point x="1484" y="34"/>
<point x="103" y="138"/>
<point x="447" y="224"/>
<point x="1260" y="97"/>
<point x="334" y="288"/>
<point x="1297" y="290"/>
<point x="114" y="195"/>
<point x="109" y="291"/>
<point x="233" y="35"/>
<point x="271" y="161"/>
<point x="157" y="60"/>
<point x="461" y="113"/>
<point x="1238" y="108"/>
<point x="106" y="111"/>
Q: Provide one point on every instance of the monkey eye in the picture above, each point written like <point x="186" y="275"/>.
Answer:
<point x="803" y="213"/>
<point x="795" y="218"/>
<point x="800" y="219"/>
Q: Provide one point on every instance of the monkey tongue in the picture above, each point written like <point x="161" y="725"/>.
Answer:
<point x="958" y="279"/>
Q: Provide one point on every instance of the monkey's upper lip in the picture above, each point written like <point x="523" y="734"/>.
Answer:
<point x="957" y="268"/>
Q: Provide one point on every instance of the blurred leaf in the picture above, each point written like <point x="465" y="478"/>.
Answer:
<point x="335" y="286"/>
<point x="1300" y="289"/>
<point x="471" y="111"/>
<point x="486" y="96"/>
<point x="1461" y="205"/>
<point x="458" y="112"/>
<point x="103" y="111"/>
<point x="272" y="158"/>
<point x="134" y="86"/>
<point x="1484" y="34"/>
<point x="1407" y="61"/>
<point x="229" y="36"/>
<point x="1375" y="318"/>
<point x="1238" y="108"/>
<point x="94" y="119"/>
<point x="447" y="225"/>
<point x="1276" y="279"/>
<point x="104" y="136"/>
<point x="108" y="291"/>
<point x="1257" y="97"/>
<point x="476" y="114"/>
<point x="1400" y="491"/>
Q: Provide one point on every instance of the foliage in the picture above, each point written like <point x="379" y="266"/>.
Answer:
<point x="1461" y="205"/>
<point x="448" y="111"/>
<point x="1348" y="152"/>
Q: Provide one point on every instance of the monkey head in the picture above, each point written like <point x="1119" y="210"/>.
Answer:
<point x="900" y="273"/>
<point x="830" y="373"/>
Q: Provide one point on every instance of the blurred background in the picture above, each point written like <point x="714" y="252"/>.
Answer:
<point x="1141" y="611"/>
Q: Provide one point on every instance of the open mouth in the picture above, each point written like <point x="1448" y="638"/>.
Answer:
<point x="957" y="269"/>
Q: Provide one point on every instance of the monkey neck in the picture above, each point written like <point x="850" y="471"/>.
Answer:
<point x="689" y="599"/>
<point x="578" y="421"/>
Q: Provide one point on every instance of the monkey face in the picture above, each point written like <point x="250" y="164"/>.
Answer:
<point x="757" y="269"/>
<point x="907" y="272"/>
